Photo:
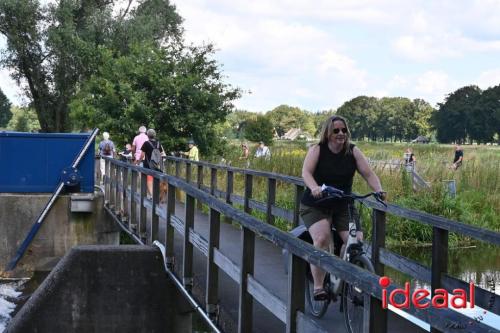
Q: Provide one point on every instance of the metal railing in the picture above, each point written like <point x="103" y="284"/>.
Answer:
<point x="124" y="197"/>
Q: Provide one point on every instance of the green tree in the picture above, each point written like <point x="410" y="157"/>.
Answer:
<point x="178" y="92"/>
<point x="5" y="113"/>
<point x="319" y="119"/>
<point x="260" y="129"/>
<point x="24" y="120"/>
<point x="55" y="47"/>
<point x="423" y="116"/>
<point x="361" y="114"/>
<point x="484" y="120"/>
<point x="285" y="117"/>
<point x="22" y="124"/>
<point x="453" y="117"/>
<point x="237" y="120"/>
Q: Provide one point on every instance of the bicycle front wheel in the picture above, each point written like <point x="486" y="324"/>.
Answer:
<point x="317" y="308"/>
<point x="353" y="298"/>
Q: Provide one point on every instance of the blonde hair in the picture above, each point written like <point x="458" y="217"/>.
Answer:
<point x="105" y="135"/>
<point x="327" y="131"/>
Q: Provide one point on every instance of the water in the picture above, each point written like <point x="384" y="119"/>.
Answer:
<point x="479" y="264"/>
<point x="10" y="290"/>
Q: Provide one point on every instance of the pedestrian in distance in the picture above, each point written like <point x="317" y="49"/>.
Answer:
<point x="333" y="162"/>
<point x="126" y="155"/>
<point x="137" y="143"/>
<point x="192" y="152"/>
<point x="263" y="151"/>
<point x="151" y="156"/>
<point x="106" y="149"/>
<point x="458" y="159"/>
<point x="245" y="154"/>
<point x="409" y="159"/>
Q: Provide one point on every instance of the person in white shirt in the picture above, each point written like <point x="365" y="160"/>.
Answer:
<point x="263" y="151"/>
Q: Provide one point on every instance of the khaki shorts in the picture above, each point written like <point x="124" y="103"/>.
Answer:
<point x="338" y="214"/>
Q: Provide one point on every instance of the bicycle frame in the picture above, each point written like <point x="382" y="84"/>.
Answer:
<point x="345" y="253"/>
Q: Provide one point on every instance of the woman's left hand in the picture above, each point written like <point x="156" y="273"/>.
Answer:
<point x="359" y="235"/>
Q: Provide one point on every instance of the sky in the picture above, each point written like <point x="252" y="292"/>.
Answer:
<point x="316" y="55"/>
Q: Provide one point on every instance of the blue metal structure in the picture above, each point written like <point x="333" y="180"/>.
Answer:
<point x="69" y="177"/>
<point x="33" y="162"/>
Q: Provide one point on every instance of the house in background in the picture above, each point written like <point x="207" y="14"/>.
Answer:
<point x="296" y="134"/>
<point x="420" y="139"/>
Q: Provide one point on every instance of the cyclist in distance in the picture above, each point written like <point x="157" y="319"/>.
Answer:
<point x="333" y="161"/>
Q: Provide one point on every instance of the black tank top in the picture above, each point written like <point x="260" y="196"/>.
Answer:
<point x="335" y="170"/>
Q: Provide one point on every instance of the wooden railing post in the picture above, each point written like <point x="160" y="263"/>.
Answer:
<point x="199" y="181"/>
<point x="154" y="217"/>
<point x="271" y="200"/>
<point x="177" y="169"/>
<point x="229" y="191"/>
<point x="188" y="172"/>
<point x="142" y="210"/>
<point x="187" y="266"/>
<point x="132" y="222"/>
<point x="248" y="192"/>
<point x="125" y="204"/>
<point x="212" y="269"/>
<point x="116" y="189"/>
<point x="213" y="180"/>
<point x="112" y="192"/>
<point x="299" y="190"/>
<point x="166" y="164"/>
<point x="377" y="315"/>
<point x="296" y="286"/>
<point x="178" y="175"/>
<point x="439" y="264"/>
<point x="245" y="309"/>
<point x="106" y="180"/>
<point x="169" y="230"/>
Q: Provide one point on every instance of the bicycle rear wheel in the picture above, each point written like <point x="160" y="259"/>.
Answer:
<point x="317" y="308"/>
<point x="353" y="298"/>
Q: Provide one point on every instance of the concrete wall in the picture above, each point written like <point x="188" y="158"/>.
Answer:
<point x="60" y="231"/>
<point x="105" y="289"/>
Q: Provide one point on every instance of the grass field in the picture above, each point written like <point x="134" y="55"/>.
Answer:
<point x="478" y="184"/>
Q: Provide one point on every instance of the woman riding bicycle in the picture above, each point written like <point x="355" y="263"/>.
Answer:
<point x="332" y="162"/>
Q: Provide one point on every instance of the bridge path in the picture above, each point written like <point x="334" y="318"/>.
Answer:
<point x="269" y="271"/>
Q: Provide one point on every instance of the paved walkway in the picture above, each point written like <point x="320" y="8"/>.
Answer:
<point x="269" y="271"/>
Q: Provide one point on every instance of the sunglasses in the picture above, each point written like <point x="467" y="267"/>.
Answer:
<point x="337" y="130"/>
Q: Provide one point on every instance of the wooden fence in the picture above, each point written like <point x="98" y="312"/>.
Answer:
<point x="126" y="192"/>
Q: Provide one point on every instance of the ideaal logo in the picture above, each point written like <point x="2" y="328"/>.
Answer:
<point x="457" y="299"/>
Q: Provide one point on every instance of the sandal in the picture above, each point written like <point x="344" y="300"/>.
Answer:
<point x="320" y="294"/>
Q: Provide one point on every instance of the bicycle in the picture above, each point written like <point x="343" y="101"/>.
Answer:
<point x="352" y="298"/>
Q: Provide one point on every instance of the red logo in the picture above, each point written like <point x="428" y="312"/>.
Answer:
<point x="441" y="299"/>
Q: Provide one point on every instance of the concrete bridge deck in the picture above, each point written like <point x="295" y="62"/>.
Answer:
<point x="269" y="271"/>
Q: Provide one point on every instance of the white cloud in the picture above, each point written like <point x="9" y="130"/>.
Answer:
<point x="432" y="81"/>
<point x="436" y="47"/>
<point x="318" y="55"/>
<point x="489" y="78"/>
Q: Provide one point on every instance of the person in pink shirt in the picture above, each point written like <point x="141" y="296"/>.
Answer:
<point x="137" y="144"/>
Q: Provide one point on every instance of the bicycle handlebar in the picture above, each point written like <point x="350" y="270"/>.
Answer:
<point x="330" y="192"/>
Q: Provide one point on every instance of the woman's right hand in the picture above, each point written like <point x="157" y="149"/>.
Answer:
<point x="317" y="192"/>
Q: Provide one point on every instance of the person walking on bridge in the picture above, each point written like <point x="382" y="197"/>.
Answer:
<point x="139" y="140"/>
<point x="192" y="153"/>
<point x="106" y="149"/>
<point x="333" y="161"/>
<point x="147" y="155"/>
